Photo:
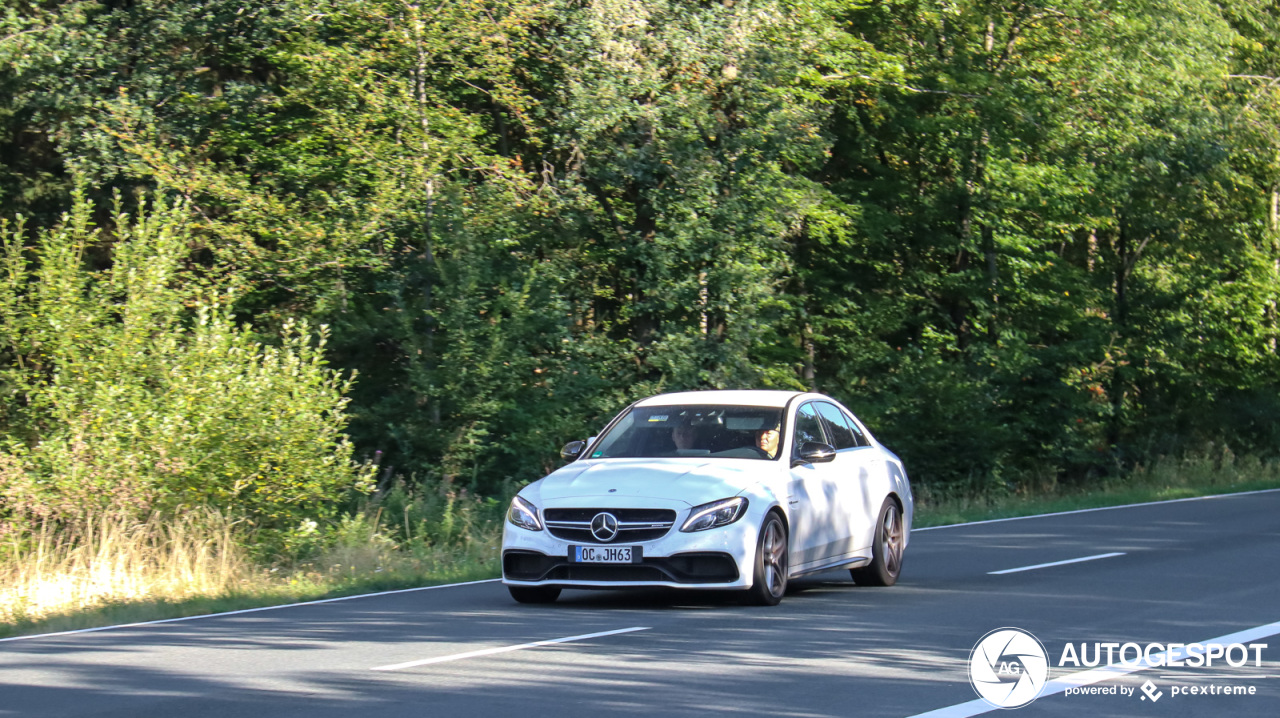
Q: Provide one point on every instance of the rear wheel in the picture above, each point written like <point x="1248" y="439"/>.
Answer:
<point x="771" y="563"/>
<point x="886" y="551"/>
<point x="534" y="594"/>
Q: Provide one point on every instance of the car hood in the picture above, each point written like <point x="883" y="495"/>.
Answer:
<point x="687" y="480"/>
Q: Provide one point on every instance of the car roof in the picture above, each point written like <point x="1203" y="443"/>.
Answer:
<point x="749" y="397"/>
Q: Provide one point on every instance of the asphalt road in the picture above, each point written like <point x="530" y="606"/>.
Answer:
<point x="1189" y="571"/>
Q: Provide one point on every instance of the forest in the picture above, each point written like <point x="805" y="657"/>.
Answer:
<point x="269" y="256"/>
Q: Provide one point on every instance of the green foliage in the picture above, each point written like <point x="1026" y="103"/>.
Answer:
<point x="1049" y="219"/>
<point x="130" y="389"/>
<point x="404" y="531"/>
<point x="1023" y="241"/>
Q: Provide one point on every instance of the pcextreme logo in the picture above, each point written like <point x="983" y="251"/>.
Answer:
<point x="1008" y="667"/>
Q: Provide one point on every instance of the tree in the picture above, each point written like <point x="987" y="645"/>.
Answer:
<point x="130" y="389"/>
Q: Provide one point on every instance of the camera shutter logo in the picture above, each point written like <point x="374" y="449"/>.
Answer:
<point x="1008" y="667"/>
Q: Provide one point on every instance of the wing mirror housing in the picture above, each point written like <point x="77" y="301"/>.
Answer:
<point x="573" y="450"/>
<point x="815" y="452"/>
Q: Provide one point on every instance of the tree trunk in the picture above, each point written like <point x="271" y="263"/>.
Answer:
<point x="1120" y="318"/>
<point x="425" y="266"/>
<point x="810" y="353"/>
<point x="1274" y="226"/>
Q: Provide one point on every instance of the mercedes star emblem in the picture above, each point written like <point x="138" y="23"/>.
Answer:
<point x="604" y="526"/>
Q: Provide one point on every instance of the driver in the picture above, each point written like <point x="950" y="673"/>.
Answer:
<point x="684" y="436"/>
<point x="767" y="441"/>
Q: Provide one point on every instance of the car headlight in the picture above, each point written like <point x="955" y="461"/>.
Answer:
<point x="716" y="513"/>
<point x="524" y="514"/>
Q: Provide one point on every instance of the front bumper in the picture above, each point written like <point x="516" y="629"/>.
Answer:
<point x="684" y="569"/>
<point x="722" y="557"/>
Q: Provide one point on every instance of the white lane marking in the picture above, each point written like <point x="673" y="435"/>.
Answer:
<point x="1100" y="508"/>
<point x="1055" y="563"/>
<point x="1105" y="673"/>
<point x="505" y="649"/>
<point x="247" y="610"/>
<point x="1203" y="677"/>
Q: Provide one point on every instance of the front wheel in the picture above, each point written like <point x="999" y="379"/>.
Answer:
<point x="534" y="594"/>
<point x="886" y="552"/>
<point x="771" y="563"/>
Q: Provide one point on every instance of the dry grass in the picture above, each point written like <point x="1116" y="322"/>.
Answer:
<point x="117" y="560"/>
<point x="119" y="571"/>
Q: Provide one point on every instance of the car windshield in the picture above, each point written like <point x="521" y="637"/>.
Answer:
<point x="727" y="432"/>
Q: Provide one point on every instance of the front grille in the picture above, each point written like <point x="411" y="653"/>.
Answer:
<point x="709" y="567"/>
<point x="633" y="524"/>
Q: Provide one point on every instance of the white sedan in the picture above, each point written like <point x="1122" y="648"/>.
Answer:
<point x="713" y="489"/>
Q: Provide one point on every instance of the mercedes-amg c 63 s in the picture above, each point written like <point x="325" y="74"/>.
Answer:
<point x="713" y="489"/>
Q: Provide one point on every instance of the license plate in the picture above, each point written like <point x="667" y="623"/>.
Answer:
<point x="603" y="554"/>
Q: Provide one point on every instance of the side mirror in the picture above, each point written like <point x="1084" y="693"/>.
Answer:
<point x="814" y="452"/>
<point x="573" y="450"/>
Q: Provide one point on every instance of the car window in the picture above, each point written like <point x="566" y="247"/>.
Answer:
<point x="858" y="433"/>
<point x="838" y="426"/>
<point x="808" y="427"/>
<point x="689" y="430"/>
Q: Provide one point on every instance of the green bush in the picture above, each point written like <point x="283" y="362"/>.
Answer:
<point x="130" y="389"/>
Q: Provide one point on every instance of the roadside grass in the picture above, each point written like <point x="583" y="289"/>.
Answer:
<point x="1202" y="474"/>
<point x="121" y="572"/>
<point x="273" y="591"/>
<point x="118" y="571"/>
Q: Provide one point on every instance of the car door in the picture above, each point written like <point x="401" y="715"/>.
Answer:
<point x="854" y="504"/>
<point x="811" y="494"/>
<point x="878" y="481"/>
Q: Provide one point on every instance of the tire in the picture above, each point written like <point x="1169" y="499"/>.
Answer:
<point x="771" y="564"/>
<point x="886" y="551"/>
<point x="534" y="594"/>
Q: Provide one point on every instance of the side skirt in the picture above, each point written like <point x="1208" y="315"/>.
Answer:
<point x="852" y="560"/>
